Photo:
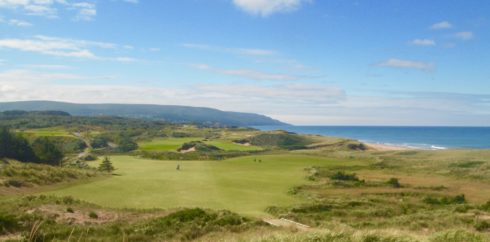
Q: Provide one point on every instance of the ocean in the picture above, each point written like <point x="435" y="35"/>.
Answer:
<point x="412" y="137"/>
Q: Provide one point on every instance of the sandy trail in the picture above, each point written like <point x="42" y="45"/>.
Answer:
<point x="287" y="223"/>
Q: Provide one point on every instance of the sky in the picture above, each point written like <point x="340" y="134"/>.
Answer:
<point x="307" y="62"/>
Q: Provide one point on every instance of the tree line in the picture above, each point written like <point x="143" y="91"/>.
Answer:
<point x="15" y="146"/>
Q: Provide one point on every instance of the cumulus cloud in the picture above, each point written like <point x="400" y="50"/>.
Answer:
<point x="50" y="8"/>
<point x="268" y="7"/>
<point x="441" y="25"/>
<point x="465" y="35"/>
<point x="248" y="74"/>
<point x="62" y="47"/>
<point x="407" y="64"/>
<point x="423" y="42"/>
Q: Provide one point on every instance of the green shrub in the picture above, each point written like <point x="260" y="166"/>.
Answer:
<point x="312" y="208"/>
<point x="356" y="146"/>
<point x="459" y="199"/>
<point x="68" y="200"/>
<point x="486" y="206"/>
<point x="70" y="210"/>
<point x="482" y="225"/>
<point x="14" y="183"/>
<point x="8" y="223"/>
<point x="340" y="175"/>
<point x="394" y="182"/>
<point x="93" y="215"/>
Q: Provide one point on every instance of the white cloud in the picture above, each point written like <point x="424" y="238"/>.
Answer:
<point x="50" y="8"/>
<point x="237" y="51"/>
<point x="465" y="35"/>
<point x="268" y="7"/>
<point x="62" y="47"/>
<point x="44" y="8"/>
<point x="441" y="25"/>
<point x="423" y="42"/>
<point x="86" y="11"/>
<point x="295" y="103"/>
<point x="407" y="64"/>
<point x="248" y="74"/>
<point x="15" y="22"/>
<point x="131" y="1"/>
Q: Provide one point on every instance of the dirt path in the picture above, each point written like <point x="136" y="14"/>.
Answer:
<point x="287" y="224"/>
<point x="86" y="151"/>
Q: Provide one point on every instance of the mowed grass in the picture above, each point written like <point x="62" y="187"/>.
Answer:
<point x="239" y="184"/>
<point x="172" y="144"/>
<point x="165" y="144"/>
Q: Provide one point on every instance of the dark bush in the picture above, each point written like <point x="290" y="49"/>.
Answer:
<point x="482" y="225"/>
<point x="93" y="215"/>
<point x="359" y="146"/>
<point x="459" y="199"/>
<point x="312" y="209"/>
<point x="8" y="223"/>
<point x="342" y="176"/>
<point x="14" y="183"/>
<point x="394" y="182"/>
<point x="486" y="206"/>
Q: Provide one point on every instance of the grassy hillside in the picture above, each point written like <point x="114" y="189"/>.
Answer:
<point x="16" y="176"/>
<point x="177" y="114"/>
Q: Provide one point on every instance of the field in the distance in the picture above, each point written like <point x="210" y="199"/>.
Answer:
<point x="47" y="132"/>
<point x="240" y="184"/>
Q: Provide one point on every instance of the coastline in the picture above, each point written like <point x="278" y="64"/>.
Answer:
<point x="401" y="138"/>
<point x="386" y="147"/>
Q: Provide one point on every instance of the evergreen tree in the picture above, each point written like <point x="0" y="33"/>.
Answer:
<point x="106" y="166"/>
<point x="15" y="147"/>
<point x="126" y="144"/>
<point x="47" y="152"/>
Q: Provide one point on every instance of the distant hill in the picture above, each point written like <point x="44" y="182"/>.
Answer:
<point x="170" y="113"/>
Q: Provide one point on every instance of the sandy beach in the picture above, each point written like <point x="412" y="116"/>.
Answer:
<point x="384" y="147"/>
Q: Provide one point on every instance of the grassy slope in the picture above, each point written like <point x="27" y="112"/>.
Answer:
<point x="240" y="184"/>
<point x="172" y="144"/>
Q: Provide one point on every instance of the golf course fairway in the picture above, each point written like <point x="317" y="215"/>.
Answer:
<point x="241" y="184"/>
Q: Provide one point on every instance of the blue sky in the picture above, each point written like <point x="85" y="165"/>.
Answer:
<point x="368" y="62"/>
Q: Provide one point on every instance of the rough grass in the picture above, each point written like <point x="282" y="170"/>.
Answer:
<point x="47" y="218"/>
<point x="15" y="175"/>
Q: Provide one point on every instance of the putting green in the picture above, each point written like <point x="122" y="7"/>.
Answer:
<point x="239" y="184"/>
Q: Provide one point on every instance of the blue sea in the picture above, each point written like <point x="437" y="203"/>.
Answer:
<point x="414" y="137"/>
